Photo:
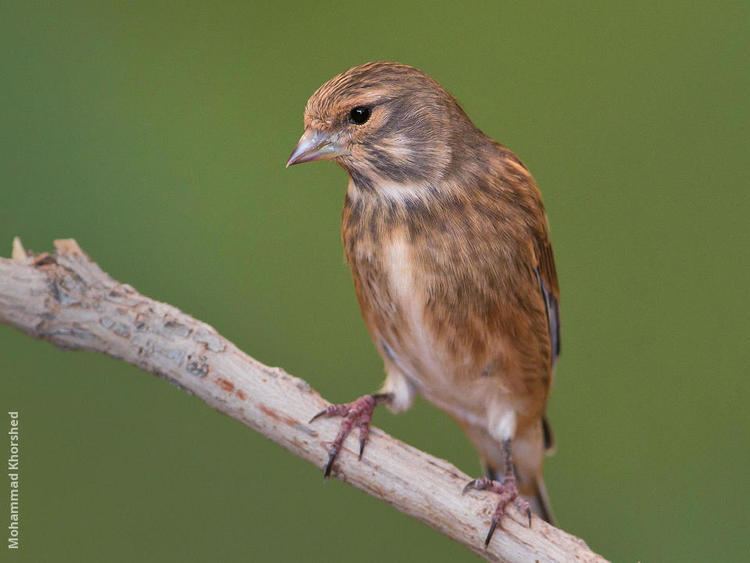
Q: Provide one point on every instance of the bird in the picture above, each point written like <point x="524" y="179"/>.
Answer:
<point x="447" y="239"/>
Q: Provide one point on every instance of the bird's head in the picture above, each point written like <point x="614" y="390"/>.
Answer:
<point x="384" y="123"/>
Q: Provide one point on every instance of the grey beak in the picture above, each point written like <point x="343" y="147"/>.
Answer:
<point x="314" y="145"/>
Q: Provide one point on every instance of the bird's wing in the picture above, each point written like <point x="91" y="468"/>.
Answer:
<point x="543" y="258"/>
<point x="547" y="278"/>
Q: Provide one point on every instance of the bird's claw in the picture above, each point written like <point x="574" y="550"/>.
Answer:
<point x="508" y="492"/>
<point x="476" y="484"/>
<point x="357" y="413"/>
<point x="332" y="453"/>
<point x="317" y="416"/>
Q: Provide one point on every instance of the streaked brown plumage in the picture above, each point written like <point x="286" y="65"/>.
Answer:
<point x="446" y="235"/>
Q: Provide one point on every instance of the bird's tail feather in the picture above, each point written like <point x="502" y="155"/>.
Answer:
<point x="540" y="503"/>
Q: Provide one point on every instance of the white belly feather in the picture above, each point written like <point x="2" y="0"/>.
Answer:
<point x="421" y="361"/>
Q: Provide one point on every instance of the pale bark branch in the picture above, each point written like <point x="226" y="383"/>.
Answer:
<point x="67" y="299"/>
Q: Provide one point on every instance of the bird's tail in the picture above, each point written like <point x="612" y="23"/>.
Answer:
<point x="540" y="503"/>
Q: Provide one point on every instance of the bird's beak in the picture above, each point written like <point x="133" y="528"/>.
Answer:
<point x="314" y="145"/>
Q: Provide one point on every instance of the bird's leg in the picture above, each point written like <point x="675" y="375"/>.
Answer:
<point x="507" y="489"/>
<point x="357" y="414"/>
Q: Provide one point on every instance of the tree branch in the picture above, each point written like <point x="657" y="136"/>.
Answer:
<point x="67" y="299"/>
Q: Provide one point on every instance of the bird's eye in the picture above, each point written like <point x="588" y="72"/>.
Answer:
<point x="359" y="115"/>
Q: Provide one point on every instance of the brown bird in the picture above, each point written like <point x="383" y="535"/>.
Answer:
<point x="446" y="235"/>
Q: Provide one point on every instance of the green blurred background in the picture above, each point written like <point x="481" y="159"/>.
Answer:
<point x="156" y="134"/>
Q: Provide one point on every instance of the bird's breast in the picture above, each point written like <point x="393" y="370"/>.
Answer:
<point x="395" y="291"/>
<point x="445" y="298"/>
<point x="414" y="342"/>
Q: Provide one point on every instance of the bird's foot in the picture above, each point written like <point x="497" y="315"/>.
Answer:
<point x="357" y="414"/>
<point x="509" y="495"/>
